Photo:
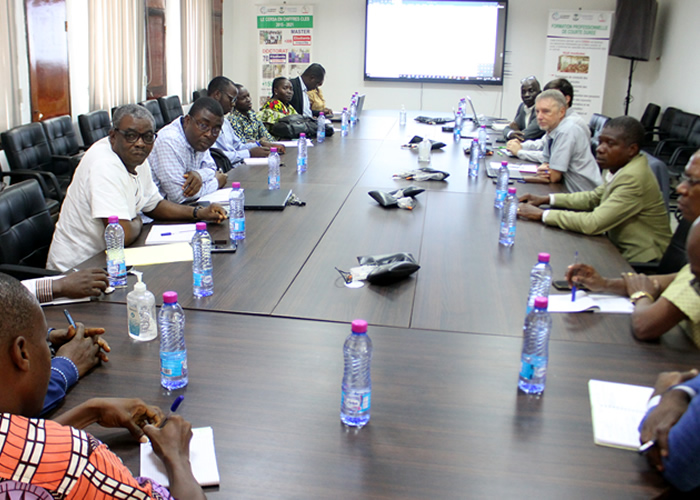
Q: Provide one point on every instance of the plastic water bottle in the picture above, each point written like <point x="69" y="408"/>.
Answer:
<point x="116" y="263"/>
<point x="302" y="157"/>
<point x="356" y="393"/>
<point x="353" y="111"/>
<point x="321" y="128"/>
<point x="474" y="159"/>
<point x="540" y="280"/>
<point x="202" y="279"/>
<point x="483" y="139"/>
<point x="502" y="185"/>
<point x="459" y="121"/>
<point x="533" y="361"/>
<point x="424" y="150"/>
<point x="141" y="311"/>
<point x="236" y="212"/>
<point x="402" y="116"/>
<point x="506" y="236"/>
<point x="173" y="353"/>
<point x="273" y="169"/>
<point x="344" y="122"/>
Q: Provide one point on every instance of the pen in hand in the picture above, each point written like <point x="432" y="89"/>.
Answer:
<point x="646" y="447"/>
<point x="573" y="283"/>
<point x="173" y="408"/>
<point x="70" y="319"/>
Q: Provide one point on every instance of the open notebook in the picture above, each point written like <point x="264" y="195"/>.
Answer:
<point x="589" y="302"/>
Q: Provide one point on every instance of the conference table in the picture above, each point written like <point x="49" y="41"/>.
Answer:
<point x="265" y="351"/>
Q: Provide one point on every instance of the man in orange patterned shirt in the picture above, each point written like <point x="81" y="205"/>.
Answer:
<point x="52" y="460"/>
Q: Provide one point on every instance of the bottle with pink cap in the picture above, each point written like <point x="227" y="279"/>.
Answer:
<point x="356" y="394"/>
<point x="173" y="352"/>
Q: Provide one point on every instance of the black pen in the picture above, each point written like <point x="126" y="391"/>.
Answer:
<point x="70" y="319"/>
<point x="173" y="408"/>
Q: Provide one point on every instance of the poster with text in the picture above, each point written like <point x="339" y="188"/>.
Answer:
<point x="577" y="49"/>
<point x="285" y="39"/>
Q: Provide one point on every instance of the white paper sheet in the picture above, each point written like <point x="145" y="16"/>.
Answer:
<point x="561" y="303"/>
<point x="172" y="233"/>
<point x="30" y="284"/>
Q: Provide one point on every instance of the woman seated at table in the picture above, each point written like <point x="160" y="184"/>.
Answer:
<point x="278" y="105"/>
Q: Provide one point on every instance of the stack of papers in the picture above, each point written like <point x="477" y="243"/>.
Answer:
<point x="527" y="168"/>
<point x="158" y="254"/>
<point x="590" y="302"/>
<point x="161" y="234"/>
<point x="616" y="411"/>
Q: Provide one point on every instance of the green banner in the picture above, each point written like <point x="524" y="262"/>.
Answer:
<point x="267" y="22"/>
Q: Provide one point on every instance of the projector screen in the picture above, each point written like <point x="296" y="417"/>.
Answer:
<point x="445" y="41"/>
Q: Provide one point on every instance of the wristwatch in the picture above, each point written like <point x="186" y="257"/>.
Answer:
<point x="195" y="211"/>
<point x="638" y="295"/>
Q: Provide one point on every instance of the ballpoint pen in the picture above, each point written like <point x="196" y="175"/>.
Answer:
<point x="173" y="409"/>
<point x="646" y="447"/>
<point x="573" y="284"/>
<point x="69" y="318"/>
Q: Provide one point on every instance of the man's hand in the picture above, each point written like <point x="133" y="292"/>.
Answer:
<point x="280" y="147"/>
<point x="212" y="213"/>
<point x="222" y="179"/>
<point x="84" y="283"/>
<point x="661" y="419"/>
<point x="528" y="211"/>
<point x="641" y="283"/>
<point x="514" y="146"/>
<point x="543" y="171"/>
<point x="583" y="274"/>
<point x="516" y="135"/>
<point x="533" y="199"/>
<point x="514" y="127"/>
<point x="85" y="348"/>
<point x="192" y="185"/>
<point x="259" y="152"/>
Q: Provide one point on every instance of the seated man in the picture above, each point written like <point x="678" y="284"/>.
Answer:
<point x="59" y="460"/>
<point x="310" y="79"/>
<point x="246" y="123"/>
<point x="114" y="178"/>
<point x="532" y="150"/>
<point x="223" y="91"/>
<point x="662" y="301"/>
<point x="628" y="206"/>
<point x="567" y="149"/>
<point x="182" y="166"/>
<point x="318" y="102"/>
<point x="524" y="127"/>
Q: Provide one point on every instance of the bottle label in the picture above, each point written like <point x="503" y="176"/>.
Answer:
<point x="202" y="279"/>
<point x="239" y="225"/>
<point x="501" y="195"/>
<point x="534" y="367"/>
<point x="116" y="268"/>
<point x="134" y="321"/>
<point x="173" y="364"/>
<point x="356" y="401"/>
<point x="301" y="162"/>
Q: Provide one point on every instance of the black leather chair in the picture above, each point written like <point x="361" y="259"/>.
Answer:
<point x="674" y="257"/>
<point x="649" y="117"/>
<point x="678" y="135"/>
<point x="26" y="230"/>
<point x="682" y="150"/>
<point x="661" y="132"/>
<point x="63" y="140"/>
<point x="171" y="107"/>
<point x="94" y="126"/>
<point x="221" y="160"/>
<point x="596" y="125"/>
<point x="153" y="106"/>
<point x="199" y="93"/>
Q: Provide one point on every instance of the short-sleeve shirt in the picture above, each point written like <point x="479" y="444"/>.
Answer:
<point x="681" y="294"/>
<point x="101" y="186"/>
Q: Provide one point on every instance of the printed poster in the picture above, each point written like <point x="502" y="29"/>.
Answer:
<point x="285" y="35"/>
<point x="577" y="49"/>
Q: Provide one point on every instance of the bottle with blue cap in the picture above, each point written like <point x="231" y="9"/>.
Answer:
<point x="356" y="396"/>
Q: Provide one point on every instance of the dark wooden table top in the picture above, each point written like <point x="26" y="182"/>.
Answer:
<point x="447" y="420"/>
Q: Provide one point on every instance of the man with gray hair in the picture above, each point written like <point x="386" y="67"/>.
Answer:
<point x="567" y="149"/>
<point x="114" y="178"/>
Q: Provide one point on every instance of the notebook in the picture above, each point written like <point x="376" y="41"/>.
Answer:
<point x="589" y="302"/>
<point x="360" y="104"/>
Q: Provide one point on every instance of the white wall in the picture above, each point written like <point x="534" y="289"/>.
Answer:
<point x="339" y="46"/>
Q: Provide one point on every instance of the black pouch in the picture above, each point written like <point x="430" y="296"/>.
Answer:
<point x="390" y="268"/>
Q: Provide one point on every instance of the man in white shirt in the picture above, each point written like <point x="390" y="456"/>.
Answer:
<point x="114" y="178"/>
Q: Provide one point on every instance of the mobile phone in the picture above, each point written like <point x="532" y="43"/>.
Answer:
<point x="224" y="246"/>
<point x="561" y="285"/>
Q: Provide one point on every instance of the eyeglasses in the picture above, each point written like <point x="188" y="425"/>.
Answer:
<point x="131" y="136"/>
<point x="231" y="98"/>
<point x="204" y="128"/>
<point x="695" y="285"/>
<point x="692" y="181"/>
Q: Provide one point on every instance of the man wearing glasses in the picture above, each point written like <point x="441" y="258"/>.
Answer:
<point x="524" y="127"/>
<point x="182" y="166"/>
<point x="661" y="301"/>
<point x="114" y="178"/>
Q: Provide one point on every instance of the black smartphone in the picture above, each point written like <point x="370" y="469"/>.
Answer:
<point x="561" y="285"/>
<point x="224" y="246"/>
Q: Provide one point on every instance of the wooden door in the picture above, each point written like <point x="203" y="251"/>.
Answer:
<point x="47" y="47"/>
<point x="155" y="49"/>
<point x="217" y="30"/>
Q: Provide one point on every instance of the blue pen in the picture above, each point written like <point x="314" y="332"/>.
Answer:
<point x="166" y="234"/>
<point x="70" y="319"/>
<point x="573" y="285"/>
<point x="173" y="408"/>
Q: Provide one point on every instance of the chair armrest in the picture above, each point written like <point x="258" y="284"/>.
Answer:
<point x="45" y="179"/>
<point x="645" y="267"/>
<point x="681" y="156"/>
<point x="26" y="272"/>
<point x="667" y="143"/>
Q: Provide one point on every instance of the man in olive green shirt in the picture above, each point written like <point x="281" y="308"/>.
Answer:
<point x="628" y="206"/>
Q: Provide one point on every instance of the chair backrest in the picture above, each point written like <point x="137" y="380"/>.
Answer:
<point x="667" y="120"/>
<point x="682" y="123"/>
<point x="662" y="176"/>
<point x="94" y="126"/>
<point x="61" y="135"/>
<point x="171" y="107"/>
<point x="596" y="125"/>
<point x="651" y="113"/>
<point x="26" y="228"/>
<point x="199" y="93"/>
<point x="153" y="106"/>
<point x="26" y="147"/>
<point x="675" y="255"/>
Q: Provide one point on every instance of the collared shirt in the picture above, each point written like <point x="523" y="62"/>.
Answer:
<point x="235" y="149"/>
<point x="532" y="150"/>
<point x="249" y="127"/>
<point x="172" y="157"/>
<point x="305" y="96"/>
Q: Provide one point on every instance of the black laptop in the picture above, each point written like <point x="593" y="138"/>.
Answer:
<point x="266" y="199"/>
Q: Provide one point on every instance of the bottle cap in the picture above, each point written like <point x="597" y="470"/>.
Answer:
<point x="475" y="139"/>
<point x="345" y="109"/>
<point x="139" y="286"/>
<point x="322" y="114"/>
<point x="302" y="135"/>
<point x="170" y="297"/>
<point x="236" y="185"/>
<point x="113" y="219"/>
<point x="543" y="257"/>
<point x="511" y="190"/>
<point x="273" y="150"/>
<point x="201" y="226"/>
<point x="541" y="302"/>
<point x="359" y="326"/>
<point x="504" y="163"/>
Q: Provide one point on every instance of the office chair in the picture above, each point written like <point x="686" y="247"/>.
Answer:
<point x="682" y="150"/>
<point x="659" y="133"/>
<point x="94" y="126"/>
<point x="171" y="107"/>
<point x="674" y="257"/>
<point x="153" y="106"/>
<point x="678" y="134"/>
<point x="649" y="117"/>
<point x="26" y="230"/>
<point x="63" y="141"/>
<point x="199" y="93"/>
